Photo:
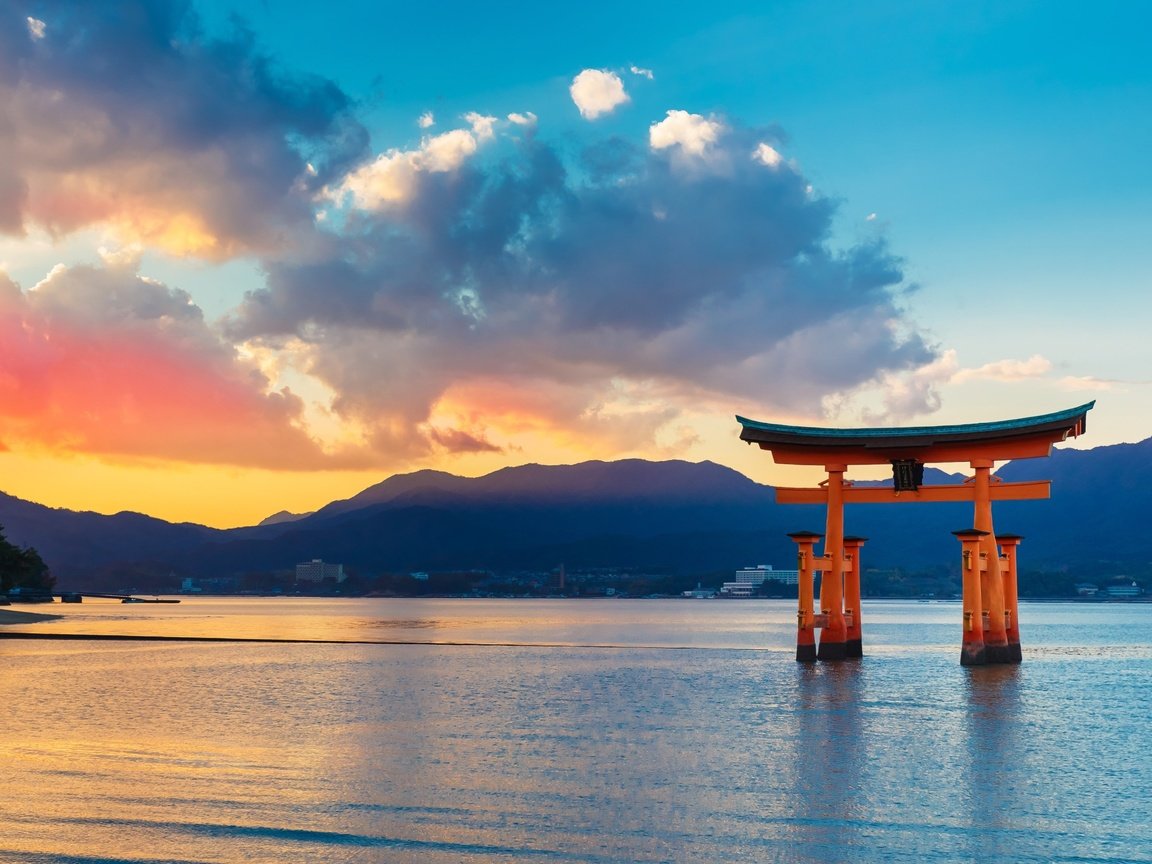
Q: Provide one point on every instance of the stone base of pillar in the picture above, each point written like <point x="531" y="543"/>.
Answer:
<point x="854" y="648"/>
<point x="832" y="650"/>
<point x="972" y="654"/>
<point x="997" y="653"/>
<point x="805" y="652"/>
<point x="1014" y="653"/>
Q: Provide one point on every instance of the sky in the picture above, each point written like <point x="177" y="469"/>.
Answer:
<point x="257" y="256"/>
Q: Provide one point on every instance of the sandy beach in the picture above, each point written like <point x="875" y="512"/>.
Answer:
<point x="9" y="616"/>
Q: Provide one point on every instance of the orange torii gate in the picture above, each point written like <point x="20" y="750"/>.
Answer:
<point x="991" y="631"/>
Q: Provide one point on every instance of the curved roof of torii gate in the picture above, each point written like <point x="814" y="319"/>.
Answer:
<point x="1000" y="439"/>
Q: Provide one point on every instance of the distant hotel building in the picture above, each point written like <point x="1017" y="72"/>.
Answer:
<point x="749" y="579"/>
<point x="1130" y="590"/>
<point x="317" y="571"/>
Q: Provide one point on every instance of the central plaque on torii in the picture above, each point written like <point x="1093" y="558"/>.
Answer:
<point x="991" y="632"/>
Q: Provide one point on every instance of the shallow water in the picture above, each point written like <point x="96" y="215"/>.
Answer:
<point x="500" y="732"/>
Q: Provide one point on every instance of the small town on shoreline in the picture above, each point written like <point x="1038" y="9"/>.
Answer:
<point x="319" y="578"/>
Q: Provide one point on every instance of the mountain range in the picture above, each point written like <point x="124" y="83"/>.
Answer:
<point x="672" y="516"/>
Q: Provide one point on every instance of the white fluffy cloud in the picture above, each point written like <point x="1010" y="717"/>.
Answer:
<point x="596" y="92"/>
<point x="768" y="155"/>
<point x="392" y="177"/>
<point x="427" y="120"/>
<point x="692" y="134"/>
<point x="482" y="125"/>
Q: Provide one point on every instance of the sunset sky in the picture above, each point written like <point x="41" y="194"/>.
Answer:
<point x="256" y="256"/>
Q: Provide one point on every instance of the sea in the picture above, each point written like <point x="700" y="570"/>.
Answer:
<point x="601" y="730"/>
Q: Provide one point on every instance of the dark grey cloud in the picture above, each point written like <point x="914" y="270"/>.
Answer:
<point x="127" y="112"/>
<point x="708" y="275"/>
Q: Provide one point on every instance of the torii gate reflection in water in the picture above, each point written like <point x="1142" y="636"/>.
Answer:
<point x="991" y="631"/>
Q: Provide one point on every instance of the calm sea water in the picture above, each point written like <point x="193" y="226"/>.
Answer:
<point x="571" y="731"/>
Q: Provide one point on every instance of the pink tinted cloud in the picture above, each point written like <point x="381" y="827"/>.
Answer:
<point x="101" y="361"/>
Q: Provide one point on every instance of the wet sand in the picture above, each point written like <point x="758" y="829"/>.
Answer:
<point x="9" y="616"/>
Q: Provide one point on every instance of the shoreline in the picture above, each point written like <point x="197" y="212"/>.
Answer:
<point x="9" y="616"/>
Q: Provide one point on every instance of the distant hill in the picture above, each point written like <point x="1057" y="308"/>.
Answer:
<point x="679" y="516"/>
<point x="284" y="516"/>
<point x="78" y="543"/>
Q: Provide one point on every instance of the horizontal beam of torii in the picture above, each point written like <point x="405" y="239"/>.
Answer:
<point x="887" y="495"/>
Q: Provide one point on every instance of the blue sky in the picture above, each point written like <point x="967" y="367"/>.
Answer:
<point x="1002" y="145"/>
<point x="950" y="223"/>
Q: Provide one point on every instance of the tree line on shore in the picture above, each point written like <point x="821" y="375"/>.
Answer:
<point x="22" y="568"/>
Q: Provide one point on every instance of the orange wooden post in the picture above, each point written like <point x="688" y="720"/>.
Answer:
<point x="972" y="642"/>
<point x="805" y="623"/>
<point x="834" y="637"/>
<point x="853" y="644"/>
<point x="991" y="581"/>
<point x="1009" y="542"/>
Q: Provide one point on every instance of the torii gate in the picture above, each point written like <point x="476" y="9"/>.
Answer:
<point x="991" y="631"/>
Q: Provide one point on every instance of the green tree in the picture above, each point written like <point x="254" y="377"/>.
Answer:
<point x="22" y="568"/>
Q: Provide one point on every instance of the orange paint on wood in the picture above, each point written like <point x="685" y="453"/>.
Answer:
<point x="852" y="618"/>
<point x="991" y="582"/>
<point x="1009" y="542"/>
<point x="972" y="638"/>
<point x="805" y="623"/>
<point x="834" y="635"/>
<point x="925" y="494"/>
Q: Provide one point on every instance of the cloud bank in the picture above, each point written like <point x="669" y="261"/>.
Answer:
<point x="100" y="360"/>
<point x="482" y="289"/>
<point x="126" y="114"/>
<point x="595" y="295"/>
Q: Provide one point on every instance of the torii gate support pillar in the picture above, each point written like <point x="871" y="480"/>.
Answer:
<point x="1008" y="543"/>
<point x="805" y="619"/>
<point x="854" y="643"/>
<point x="972" y="651"/>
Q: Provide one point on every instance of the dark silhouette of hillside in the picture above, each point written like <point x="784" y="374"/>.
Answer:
<point x="672" y="516"/>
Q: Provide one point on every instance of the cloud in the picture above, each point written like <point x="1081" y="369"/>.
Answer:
<point x="101" y="360"/>
<point x="393" y="177"/>
<point x="597" y="92"/>
<point x="459" y="441"/>
<point x="643" y="73"/>
<point x="597" y="295"/>
<point x="691" y="134"/>
<point x="1035" y="366"/>
<point x="427" y="120"/>
<point x="205" y="155"/>
<point x="1088" y="382"/>
<point x="767" y="155"/>
<point x="914" y="392"/>
<point x="481" y="291"/>
<point x="482" y="125"/>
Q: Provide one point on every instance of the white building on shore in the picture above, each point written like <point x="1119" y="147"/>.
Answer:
<point x="749" y="579"/>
